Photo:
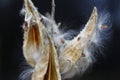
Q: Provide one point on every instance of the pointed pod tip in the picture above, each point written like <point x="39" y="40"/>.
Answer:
<point x="95" y="8"/>
<point x="91" y="24"/>
<point x="94" y="16"/>
<point x="95" y="11"/>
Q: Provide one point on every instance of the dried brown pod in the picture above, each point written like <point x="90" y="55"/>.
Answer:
<point x="38" y="47"/>
<point x="72" y="52"/>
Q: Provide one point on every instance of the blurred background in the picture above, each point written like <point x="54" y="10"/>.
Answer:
<point x="72" y="13"/>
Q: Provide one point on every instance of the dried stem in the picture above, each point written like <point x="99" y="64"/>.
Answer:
<point x="53" y="9"/>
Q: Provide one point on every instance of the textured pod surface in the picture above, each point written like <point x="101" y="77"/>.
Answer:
<point x="38" y="47"/>
<point x="74" y="50"/>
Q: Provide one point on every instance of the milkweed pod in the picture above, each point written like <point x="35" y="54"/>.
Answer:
<point x="71" y="55"/>
<point x="38" y="48"/>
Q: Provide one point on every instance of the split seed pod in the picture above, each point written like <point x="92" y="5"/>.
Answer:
<point x="74" y="50"/>
<point x="38" y="46"/>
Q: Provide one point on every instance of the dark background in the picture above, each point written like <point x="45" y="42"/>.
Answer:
<point x="73" y="13"/>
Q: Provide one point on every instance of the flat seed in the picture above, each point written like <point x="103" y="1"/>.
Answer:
<point x="83" y="55"/>
<point x="25" y="23"/>
<point x="78" y="38"/>
<point x="104" y="26"/>
<point x="62" y="41"/>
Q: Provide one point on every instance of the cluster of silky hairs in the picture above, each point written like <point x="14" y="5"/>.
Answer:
<point x="51" y="55"/>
